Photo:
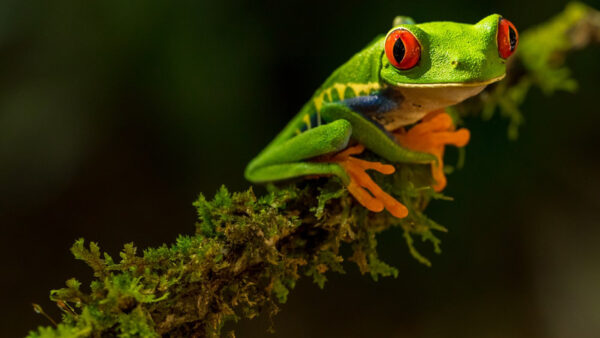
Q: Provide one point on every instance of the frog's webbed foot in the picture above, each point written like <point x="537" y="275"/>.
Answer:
<point x="431" y="135"/>
<point x="362" y="187"/>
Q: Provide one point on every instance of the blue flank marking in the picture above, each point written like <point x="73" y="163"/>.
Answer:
<point x="367" y="106"/>
<point x="372" y="105"/>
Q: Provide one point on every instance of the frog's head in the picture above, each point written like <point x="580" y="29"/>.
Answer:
<point x="447" y="54"/>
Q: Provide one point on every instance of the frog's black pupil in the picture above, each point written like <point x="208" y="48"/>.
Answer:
<point x="399" y="50"/>
<point x="513" y="39"/>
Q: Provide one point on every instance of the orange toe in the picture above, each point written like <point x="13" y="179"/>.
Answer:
<point x="386" y="169"/>
<point x="354" y="150"/>
<point x="364" y="198"/>
<point x="458" y="138"/>
<point x="363" y="188"/>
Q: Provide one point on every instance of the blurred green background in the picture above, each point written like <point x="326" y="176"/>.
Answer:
<point x="114" y="115"/>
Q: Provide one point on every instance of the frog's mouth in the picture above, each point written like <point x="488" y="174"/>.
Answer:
<point x="414" y="101"/>
<point x="450" y="84"/>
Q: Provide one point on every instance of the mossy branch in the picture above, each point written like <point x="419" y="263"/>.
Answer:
<point x="248" y="252"/>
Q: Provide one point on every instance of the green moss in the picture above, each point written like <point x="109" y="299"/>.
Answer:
<point x="245" y="258"/>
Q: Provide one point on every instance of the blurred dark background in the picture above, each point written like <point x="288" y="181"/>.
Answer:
<point x="114" y="115"/>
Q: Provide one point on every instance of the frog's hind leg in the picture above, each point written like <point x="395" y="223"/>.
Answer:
<point x="283" y="171"/>
<point x="431" y="135"/>
<point x="373" y="137"/>
<point x="302" y="156"/>
<point x="288" y="159"/>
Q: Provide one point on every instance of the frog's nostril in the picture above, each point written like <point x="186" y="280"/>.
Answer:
<point x="472" y="62"/>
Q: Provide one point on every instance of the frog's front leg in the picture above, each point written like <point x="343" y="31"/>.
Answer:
<point x="373" y="136"/>
<point x="431" y="135"/>
<point x="381" y="143"/>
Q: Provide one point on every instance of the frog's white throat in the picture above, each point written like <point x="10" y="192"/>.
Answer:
<point x="416" y="100"/>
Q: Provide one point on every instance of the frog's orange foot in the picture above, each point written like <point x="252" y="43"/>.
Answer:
<point x="434" y="132"/>
<point x="363" y="188"/>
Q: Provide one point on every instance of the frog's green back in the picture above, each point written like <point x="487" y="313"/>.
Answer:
<point x="358" y="76"/>
<point x="363" y="67"/>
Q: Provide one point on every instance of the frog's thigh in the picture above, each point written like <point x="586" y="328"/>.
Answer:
<point x="372" y="136"/>
<point x="317" y="141"/>
<point x="276" y="172"/>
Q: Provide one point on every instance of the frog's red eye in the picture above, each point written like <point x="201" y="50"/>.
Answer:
<point x="402" y="49"/>
<point x="508" y="38"/>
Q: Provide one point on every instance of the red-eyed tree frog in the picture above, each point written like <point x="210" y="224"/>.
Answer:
<point x="390" y="98"/>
